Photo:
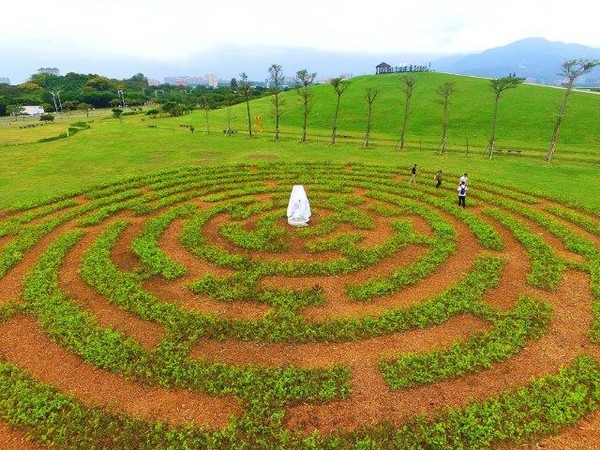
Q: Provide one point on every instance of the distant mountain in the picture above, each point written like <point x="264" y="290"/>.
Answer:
<point x="536" y="59"/>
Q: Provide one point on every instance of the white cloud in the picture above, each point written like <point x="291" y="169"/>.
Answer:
<point x="172" y="30"/>
<point x="163" y="30"/>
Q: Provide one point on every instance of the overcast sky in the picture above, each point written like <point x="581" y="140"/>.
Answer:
<point x="162" y="30"/>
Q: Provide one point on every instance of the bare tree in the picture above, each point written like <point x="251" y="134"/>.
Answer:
<point x="444" y="92"/>
<point x="276" y="79"/>
<point x="339" y="85"/>
<point x="245" y="89"/>
<point x="571" y="70"/>
<point x="498" y="86"/>
<point x="228" y="101"/>
<point x="304" y="81"/>
<point x="370" y="95"/>
<point x="408" y="85"/>
<point x="205" y="105"/>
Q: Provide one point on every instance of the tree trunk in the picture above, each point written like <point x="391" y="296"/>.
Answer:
<point x="249" y="118"/>
<point x="368" y="132"/>
<point x="557" y="123"/>
<point x="335" y="116"/>
<point x="276" y="135"/>
<point x="206" y="122"/>
<point x="492" y="143"/>
<point x="305" y="120"/>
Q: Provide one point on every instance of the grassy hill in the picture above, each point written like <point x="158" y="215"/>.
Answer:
<point x="114" y="148"/>
<point x="525" y="119"/>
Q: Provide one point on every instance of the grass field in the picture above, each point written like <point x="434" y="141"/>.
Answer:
<point x="153" y="296"/>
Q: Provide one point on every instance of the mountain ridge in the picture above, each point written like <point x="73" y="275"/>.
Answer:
<point x="536" y="59"/>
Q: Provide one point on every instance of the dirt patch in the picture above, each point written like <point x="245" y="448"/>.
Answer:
<point x="107" y="314"/>
<point x="365" y="352"/>
<point x="13" y="439"/>
<point x="23" y="343"/>
<point x="372" y="401"/>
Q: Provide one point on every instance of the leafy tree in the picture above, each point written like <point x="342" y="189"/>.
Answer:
<point x="370" y="95"/>
<point x="46" y="80"/>
<point x="99" y="83"/>
<point x="276" y="82"/>
<point x="174" y="109"/>
<point x="233" y="84"/>
<point x="47" y="118"/>
<point x="29" y="86"/>
<point x="117" y="113"/>
<point x="84" y="107"/>
<point x="153" y="112"/>
<point x="407" y="87"/>
<point x="69" y="105"/>
<point x="339" y="85"/>
<point x="245" y="89"/>
<point x="444" y="92"/>
<point x="14" y="110"/>
<point x="498" y="86"/>
<point x="304" y="81"/>
<point x="571" y="70"/>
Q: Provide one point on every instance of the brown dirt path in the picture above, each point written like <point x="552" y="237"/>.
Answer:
<point x="338" y="305"/>
<point x="176" y="291"/>
<point x="24" y="344"/>
<point x="12" y="282"/>
<point x="584" y="435"/>
<point x="14" y="439"/>
<point x="107" y="314"/>
<point x="313" y="355"/>
<point x="567" y="338"/>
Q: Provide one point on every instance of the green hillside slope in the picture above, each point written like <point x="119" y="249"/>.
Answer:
<point x="525" y="119"/>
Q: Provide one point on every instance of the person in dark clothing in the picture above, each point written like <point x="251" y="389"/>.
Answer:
<point x="438" y="178"/>
<point x="462" y="194"/>
<point x="413" y="174"/>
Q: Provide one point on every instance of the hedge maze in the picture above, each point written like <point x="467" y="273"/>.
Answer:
<point x="179" y="310"/>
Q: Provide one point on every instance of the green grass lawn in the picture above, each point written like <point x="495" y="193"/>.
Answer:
<point x="114" y="148"/>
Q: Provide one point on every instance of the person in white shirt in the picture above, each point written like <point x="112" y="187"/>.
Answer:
<point x="464" y="178"/>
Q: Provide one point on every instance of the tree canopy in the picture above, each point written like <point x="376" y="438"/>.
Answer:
<point x="99" y="91"/>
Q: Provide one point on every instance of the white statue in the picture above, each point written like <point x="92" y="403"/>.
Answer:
<point x="298" y="211"/>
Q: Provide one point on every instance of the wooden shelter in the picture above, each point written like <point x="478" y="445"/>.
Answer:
<point x="383" y="68"/>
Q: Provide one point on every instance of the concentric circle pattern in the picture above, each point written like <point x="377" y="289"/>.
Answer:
<point x="179" y="310"/>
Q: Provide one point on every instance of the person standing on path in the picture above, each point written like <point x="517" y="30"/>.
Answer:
<point x="462" y="194"/>
<point x="464" y="178"/>
<point x="413" y="175"/>
<point x="438" y="178"/>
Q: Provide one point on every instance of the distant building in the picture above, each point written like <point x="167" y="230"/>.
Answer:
<point x="212" y="80"/>
<point x="153" y="82"/>
<point x="50" y="70"/>
<point x="176" y="81"/>
<point x="386" y="68"/>
<point x="383" y="68"/>
<point x="31" y="110"/>
<point x="4" y="80"/>
<point x="192" y="81"/>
